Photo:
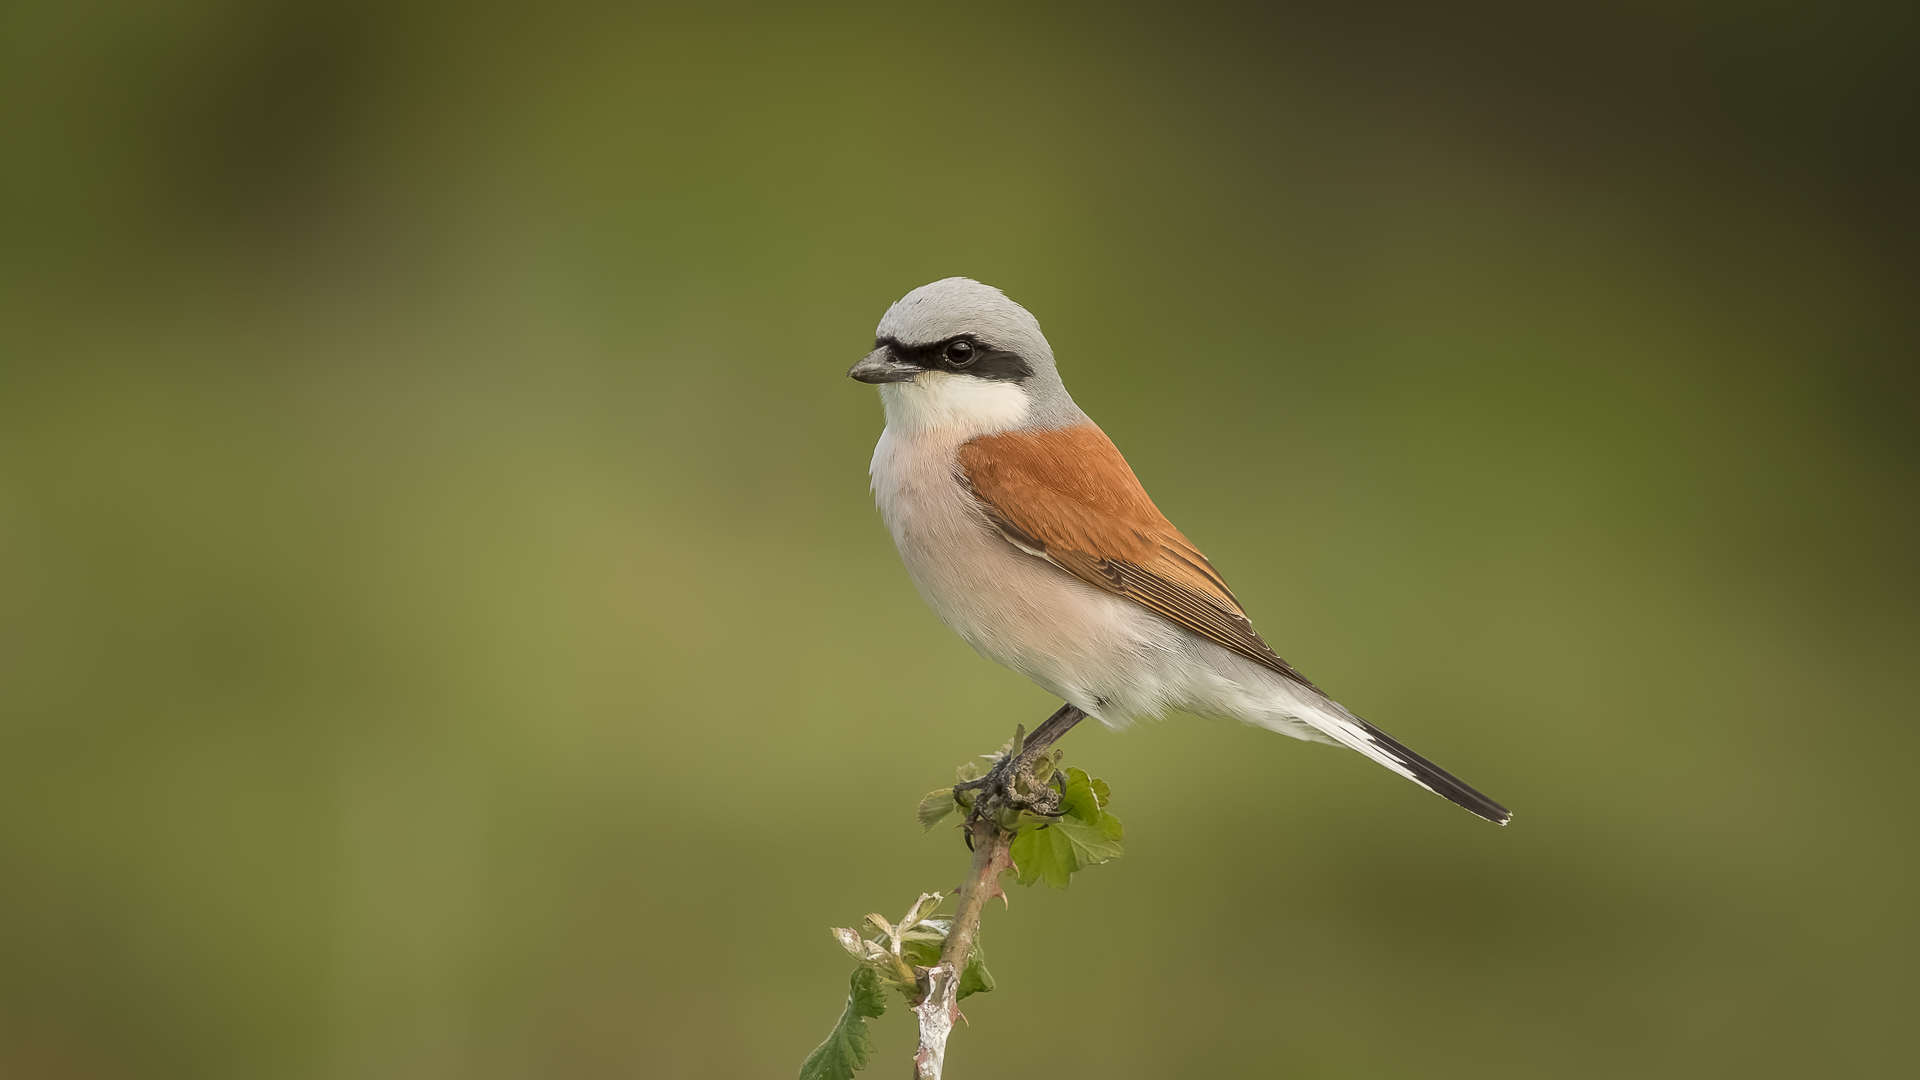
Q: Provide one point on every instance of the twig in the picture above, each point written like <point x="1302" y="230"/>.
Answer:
<point x="938" y="1006"/>
<point x="936" y="1012"/>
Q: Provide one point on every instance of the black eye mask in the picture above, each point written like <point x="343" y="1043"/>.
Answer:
<point x="963" y="354"/>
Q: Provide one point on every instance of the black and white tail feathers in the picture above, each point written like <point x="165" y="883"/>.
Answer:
<point x="1354" y="733"/>
<point x="1436" y="779"/>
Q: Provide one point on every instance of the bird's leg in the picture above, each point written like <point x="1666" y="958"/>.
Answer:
<point x="1011" y="781"/>
<point x="1052" y="728"/>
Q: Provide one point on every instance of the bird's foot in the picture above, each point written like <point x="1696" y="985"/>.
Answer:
<point x="1022" y="778"/>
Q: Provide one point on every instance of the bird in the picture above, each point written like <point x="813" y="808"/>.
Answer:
<point x="1025" y="530"/>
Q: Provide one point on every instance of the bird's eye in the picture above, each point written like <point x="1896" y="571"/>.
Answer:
<point x="960" y="353"/>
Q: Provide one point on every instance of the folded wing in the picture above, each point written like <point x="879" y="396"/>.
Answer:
<point x="1067" y="496"/>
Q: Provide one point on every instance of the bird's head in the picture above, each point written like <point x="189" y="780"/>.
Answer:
<point x="958" y="355"/>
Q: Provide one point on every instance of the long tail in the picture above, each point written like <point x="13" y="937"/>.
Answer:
<point x="1356" y="734"/>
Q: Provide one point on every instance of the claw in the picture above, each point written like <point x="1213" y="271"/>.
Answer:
<point x="1010" y="782"/>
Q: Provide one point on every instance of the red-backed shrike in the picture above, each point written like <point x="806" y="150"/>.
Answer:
<point x="1025" y="530"/>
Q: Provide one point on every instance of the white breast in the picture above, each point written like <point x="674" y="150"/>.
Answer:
<point x="1013" y="608"/>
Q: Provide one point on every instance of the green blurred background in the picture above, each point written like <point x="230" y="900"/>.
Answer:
<point x="445" y="632"/>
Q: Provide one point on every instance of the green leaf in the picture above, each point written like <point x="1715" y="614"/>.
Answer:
<point x="974" y="977"/>
<point x="1081" y="800"/>
<point x="935" y="807"/>
<point x="849" y="1047"/>
<point x="1086" y="835"/>
<point x="1043" y="853"/>
<point x="1093" y="844"/>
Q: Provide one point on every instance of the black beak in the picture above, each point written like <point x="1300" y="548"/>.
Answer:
<point x="879" y="366"/>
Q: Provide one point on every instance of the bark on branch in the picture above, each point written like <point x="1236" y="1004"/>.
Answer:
<point x="938" y="1007"/>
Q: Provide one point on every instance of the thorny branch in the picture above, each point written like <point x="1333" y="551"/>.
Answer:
<point x="938" y="1007"/>
<point x="1027" y="806"/>
<point x="1009" y="786"/>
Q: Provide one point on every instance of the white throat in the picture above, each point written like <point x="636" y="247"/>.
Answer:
<point x="958" y="407"/>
